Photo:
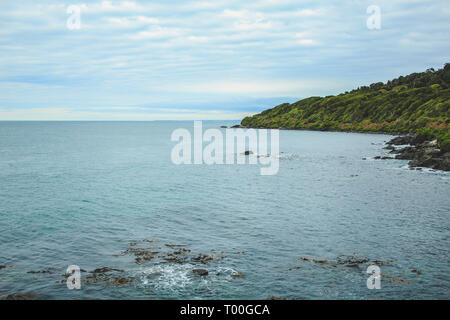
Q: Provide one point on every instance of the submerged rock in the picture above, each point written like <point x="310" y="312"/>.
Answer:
<point x="203" y="258"/>
<point x="200" y="272"/>
<point x="170" y="245"/>
<point x="48" y="270"/>
<point x="237" y="275"/>
<point x="120" y="281"/>
<point x="353" y="261"/>
<point x="22" y="296"/>
<point x="105" y="270"/>
<point x="323" y="261"/>
<point x="398" y="281"/>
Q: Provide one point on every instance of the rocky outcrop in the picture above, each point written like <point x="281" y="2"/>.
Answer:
<point x="200" y="272"/>
<point x="424" y="154"/>
<point x="22" y="296"/>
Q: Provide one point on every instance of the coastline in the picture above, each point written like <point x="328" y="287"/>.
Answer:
<point x="420" y="153"/>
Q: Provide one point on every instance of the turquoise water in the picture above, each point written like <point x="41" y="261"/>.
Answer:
<point x="81" y="193"/>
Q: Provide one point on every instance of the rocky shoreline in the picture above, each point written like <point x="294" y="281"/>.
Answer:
<point x="426" y="154"/>
<point x="422" y="154"/>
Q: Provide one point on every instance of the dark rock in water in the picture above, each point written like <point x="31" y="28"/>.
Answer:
<point x="237" y="275"/>
<point x="120" y="281"/>
<point x="237" y="126"/>
<point x="180" y="251"/>
<point x="203" y="258"/>
<point x="48" y="270"/>
<point x="364" y="158"/>
<point x="398" y="281"/>
<point x="105" y="269"/>
<point x="416" y="271"/>
<point x="223" y="127"/>
<point x="386" y="158"/>
<point x="22" y="296"/>
<point x="275" y="298"/>
<point x="179" y="260"/>
<point x="2" y="267"/>
<point x="323" y="261"/>
<point x="405" y="153"/>
<point x="170" y="245"/>
<point x="351" y="260"/>
<point x="247" y="153"/>
<point x="422" y="153"/>
<point x="402" y="140"/>
<point x="377" y="157"/>
<point x="380" y="262"/>
<point x="200" y="272"/>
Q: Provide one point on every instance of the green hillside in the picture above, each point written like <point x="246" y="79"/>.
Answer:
<point x="417" y="103"/>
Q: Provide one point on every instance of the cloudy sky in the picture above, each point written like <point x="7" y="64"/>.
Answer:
<point x="153" y="60"/>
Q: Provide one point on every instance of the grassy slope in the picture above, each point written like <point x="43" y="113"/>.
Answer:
<point x="418" y="103"/>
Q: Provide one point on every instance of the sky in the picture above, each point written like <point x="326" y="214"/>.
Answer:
<point x="205" y="60"/>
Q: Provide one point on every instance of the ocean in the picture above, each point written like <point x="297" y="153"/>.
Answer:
<point x="106" y="194"/>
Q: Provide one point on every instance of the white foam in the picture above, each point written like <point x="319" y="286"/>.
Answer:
<point x="167" y="276"/>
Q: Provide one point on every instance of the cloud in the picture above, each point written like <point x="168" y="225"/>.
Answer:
<point x="260" y="87"/>
<point x="179" y="53"/>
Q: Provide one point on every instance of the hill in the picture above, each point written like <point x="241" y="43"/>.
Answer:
<point x="418" y="103"/>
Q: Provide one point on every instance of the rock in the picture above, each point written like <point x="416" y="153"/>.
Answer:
<point x="280" y="298"/>
<point x="398" y="281"/>
<point x="203" y="258"/>
<point x="48" y="270"/>
<point x="425" y="154"/>
<point x="432" y="144"/>
<point x="401" y="140"/>
<point x="364" y="158"/>
<point x="247" y="153"/>
<point x="175" y="245"/>
<point x="322" y="261"/>
<point x="380" y="262"/>
<point x="416" y="271"/>
<point x="386" y="158"/>
<point x="177" y="260"/>
<point x="223" y="127"/>
<point x="237" y="275"/>
<point x="2" y="267"/>
<point x="180" y="251"/>
<point x="407" y="153"/>
<point x="120" y="281"/>
<point x="105" y="269"/>
<point x="22" y="296"/>
<point x="351" y="260"/>
<point x="200" y="272"/>
<point x="237" y="126"/>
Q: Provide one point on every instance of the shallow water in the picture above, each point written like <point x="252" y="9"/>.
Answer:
<point x="78" y="193"/>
